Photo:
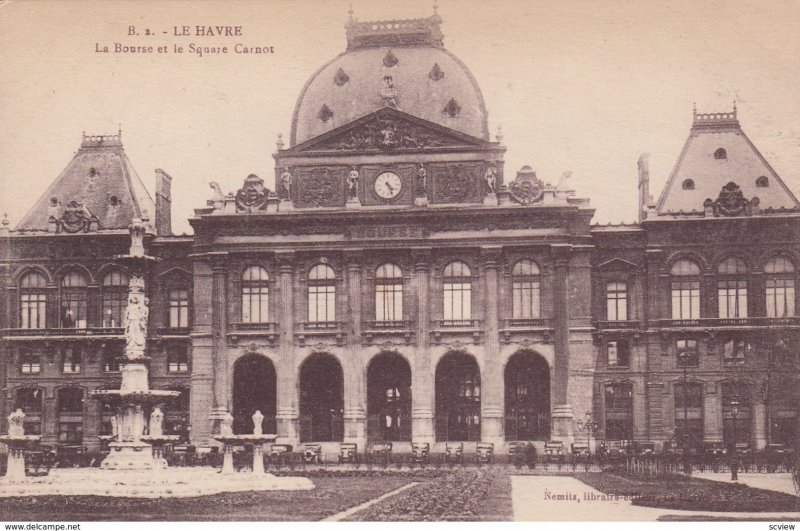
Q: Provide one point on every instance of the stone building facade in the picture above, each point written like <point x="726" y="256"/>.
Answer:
<point x="397" y="284"/>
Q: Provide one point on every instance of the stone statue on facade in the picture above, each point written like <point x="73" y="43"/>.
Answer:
<point x="16" y="423"/>
<point x="156" y="423"/>
<point x="138" y="423"/>
<point x="286" y="184"/>
<point x="422" y="181"/>
<point x="491" y="180"/>
<point x="352" y="184"/>
<point x="226" y="425"/>
<point x="114" y="426"/>
<point x="136" y="315"/>
<point x="258" y="418"/>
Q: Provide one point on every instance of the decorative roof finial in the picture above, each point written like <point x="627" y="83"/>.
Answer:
<point x="499" y="135"/>
<point x="435" y="7"/>
<point x="350" y="11"/>
<point x="694" y="109"/>
<point x="734" y="107"/>
<point x="5" y="219"/>
<point x="279" y="142"/>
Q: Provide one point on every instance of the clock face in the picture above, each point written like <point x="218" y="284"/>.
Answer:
<point x="388" y="185"/>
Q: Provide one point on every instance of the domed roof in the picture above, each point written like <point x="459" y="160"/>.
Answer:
<point x="400" y="64"/>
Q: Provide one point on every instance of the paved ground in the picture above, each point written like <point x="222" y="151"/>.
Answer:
<point x="779" y="482"/>
<point x="563" y="498"/>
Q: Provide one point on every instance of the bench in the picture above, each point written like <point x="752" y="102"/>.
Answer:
<point x="644" y="448"/>
<point x="553" y="449"/>
<point x="420" y="452"/>
<point x="280" y="453"/>
<point x="454" y="452"/>
<point x="485" y="452"/>
<point x="312" y="453"/>
<point x="381" y="452"/>
<point x="348" y="453"/>
<point x="580" y="449"/>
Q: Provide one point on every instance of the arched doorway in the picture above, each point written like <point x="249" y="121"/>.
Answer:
<point x="458" y="398"/>
<point x="254" y="389"/>
<point x="527" y="397"/>
<point x="389" y="398"/>
<point x="321" y="399"/>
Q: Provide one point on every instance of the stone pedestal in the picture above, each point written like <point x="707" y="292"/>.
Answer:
<point x="422" y="426"/>
<point x="352" y="203"/>
<point x="492" y="426"/>
<point x="562" y="424"/>
<point x="285" y="205"/>
<point x="258" y="459"/>
<point x="227" y="460"/>
<point x="759" y="425"/>
<point x="355" y="424"/>
<point x="421" y="201"/>
<point x="135" y="455"/>
<point x="490" y="200"/>
<point x="16" y="464"/>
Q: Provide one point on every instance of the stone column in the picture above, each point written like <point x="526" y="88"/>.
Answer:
<point x="219" y="301"/>
<point x="712" y="414"/>
<point x="562" y="411"/>
<point x="492" y="384"/>
<point x="287" y="417"/>
<point x="49" y="421"/>
<point x="355" y="418"/>
<point x="422" y="429"/>
<point x="92" y="422"/>
<point x="759" y="425"/>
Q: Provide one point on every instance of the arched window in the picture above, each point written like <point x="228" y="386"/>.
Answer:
<point x="73" y="300"/>
<point x="619" y="411"/>
<point x="688" y="407"/>
<point x="526" y="290"/>
<point x="732" y="288"/>
<point x="321" y="294"/>
<point x="780" y="295"/>
<point x="685" y="286"/>
<point x="762" y="182"/>
<point x="33" y="301"/>
<point x="457" y="287"/>
<point x="115" y="298"/>
<point x="388" y="293"/>
<point x="688" y="184"/>
<point x="720" y="154"/>
<point x="255" y="295"/>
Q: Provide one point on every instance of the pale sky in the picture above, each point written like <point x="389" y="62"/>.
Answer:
<point x="585" y="86"/>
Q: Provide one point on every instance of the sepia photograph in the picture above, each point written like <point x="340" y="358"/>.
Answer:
<point x="420" y="261"/>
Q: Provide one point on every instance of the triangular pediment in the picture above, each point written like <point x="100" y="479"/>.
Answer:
<point x="617" y="264"/>
<point x="388" y="129"/>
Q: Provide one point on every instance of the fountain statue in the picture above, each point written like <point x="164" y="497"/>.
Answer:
<point x="156" y="423"/>
<point x="257" y="439"/>
<point x="258" y="419"/>
<point x="17" y="442"/>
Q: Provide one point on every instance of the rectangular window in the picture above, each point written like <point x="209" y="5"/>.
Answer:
<point x="692" y="433"/>
<point x="255" y="304"/>
<point x="73" y="309"/>
<point x="177" y="359"/>
<point x="321" y="303"/>
<point x="111" y="357"/>
<point x="619" y="429"/>
<point x="33" y="309"/>
<point x="30" y="363"/>
<point x="686" y="299"/>
<point x="114" y="304"/>
<point x="618" y="354"/>
<point x="71" y="360"/>
<point x="388" y="302"/>
<point x="780" y="297"/>
<point x="734" y="351"/>
<point x="693" y="396"/>
<point x="617" y="301"/>
<point x="178" y="308"/>
<point x="457" y="301"/>
<point x="687" y="353"/>
<point x="526" y="303"/>
<point x="70" y="432"/>
<point x="732" y="296"/>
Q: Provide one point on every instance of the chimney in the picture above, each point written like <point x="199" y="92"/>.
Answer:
<point x="644" y="186"/>
<point x="163" y="203"/>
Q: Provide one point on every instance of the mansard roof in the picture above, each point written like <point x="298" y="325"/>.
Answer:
<point x="716" y="154"/>
<point x="99" y="183"/>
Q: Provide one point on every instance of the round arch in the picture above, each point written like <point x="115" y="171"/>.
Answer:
<point x="389" y="398"/>
<point x="254" y="389"/>
<point x="321" y="398"/>
<point x="458" y="398"/>
<point x="527" y="397"/>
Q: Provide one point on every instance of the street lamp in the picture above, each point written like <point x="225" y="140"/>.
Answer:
<point x="589" y="425"/>
<point x="683" y="357"/>
<point x="734" y="460"/>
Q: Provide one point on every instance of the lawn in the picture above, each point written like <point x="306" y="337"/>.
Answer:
<point x="482" y="494"/>
<point x="331" y="495"/>
<point x="691" y="493"/>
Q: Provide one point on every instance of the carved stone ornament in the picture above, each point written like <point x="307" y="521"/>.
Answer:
<point x="252" y="195"/>
<point x="341" y="77"/>
<point x="388" y="132"/>
<point x="731" y="202"/>
<point x="526" y="188"/>
<point x="325" y="113"/>
<point x="76" y="218"/>
<point x="436" y="72"/>
<point x="319" y="187"/>
<point x="452" y="109"/>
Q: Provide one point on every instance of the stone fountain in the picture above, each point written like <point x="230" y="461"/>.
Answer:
<point x="17" y="443"/>
<point x="257" y="439"/>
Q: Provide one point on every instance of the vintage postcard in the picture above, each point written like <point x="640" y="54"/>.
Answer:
<point x="452" y="260"/>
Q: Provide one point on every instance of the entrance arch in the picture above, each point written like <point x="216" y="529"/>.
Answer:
<point x="389" y="398"/>
<point x="321" y="399"/>
<point x="527" y="397"/>
<point x="458" y="398"/>
<point x="254" y="389"/>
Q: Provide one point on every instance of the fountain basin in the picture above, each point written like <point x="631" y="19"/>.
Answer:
<point x="117" y="396"/>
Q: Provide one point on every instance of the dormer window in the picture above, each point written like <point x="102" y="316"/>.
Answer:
<point x="720" y="154"/>
<point x="688" y="184"/>
<point x="762" y="182"/>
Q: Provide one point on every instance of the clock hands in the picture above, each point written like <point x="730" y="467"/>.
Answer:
<point x="389" y="186"/>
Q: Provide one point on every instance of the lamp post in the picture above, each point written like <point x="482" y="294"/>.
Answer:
<point x="683" y="357"/>
<point x="589" y="425"/>
<point x="734" y="460"/>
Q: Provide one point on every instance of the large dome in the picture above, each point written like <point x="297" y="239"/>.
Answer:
<point x="395" y="63"/>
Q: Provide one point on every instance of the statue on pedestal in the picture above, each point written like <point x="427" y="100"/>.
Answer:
<point x="136" y="315"/>
<point x="156" y="423"/>
<point x="16" y="423"/>
<point x="114" y="426"/>
<point x="352" y="184"/>
<point x="258" y="418"/>
<point x="226" y="425"/>
<point x="286" y="184"/>
<point x="491" y="180"/>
